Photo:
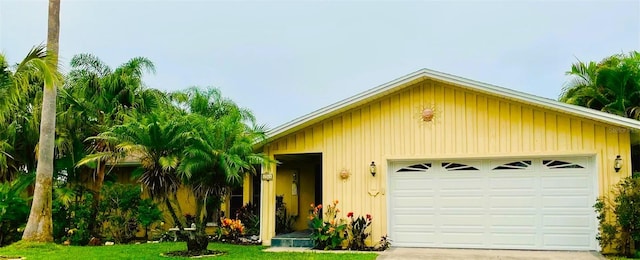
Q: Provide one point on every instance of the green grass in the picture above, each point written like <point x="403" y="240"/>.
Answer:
<point x="153" y="251"/>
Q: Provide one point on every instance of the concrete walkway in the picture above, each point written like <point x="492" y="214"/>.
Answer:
<point x="455" y="254"/>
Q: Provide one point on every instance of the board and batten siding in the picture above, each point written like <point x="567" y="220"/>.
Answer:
<point x="466" y="124"/>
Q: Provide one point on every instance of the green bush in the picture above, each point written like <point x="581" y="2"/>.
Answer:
<point x="148" y="214"/>
<point x="71" y="214"/>
<point x="118" y="211"/>
<point x="619" y="217"/>
<point x="14" y="209"/>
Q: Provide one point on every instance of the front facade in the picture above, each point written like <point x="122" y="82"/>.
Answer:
<point x="493" y="168"/>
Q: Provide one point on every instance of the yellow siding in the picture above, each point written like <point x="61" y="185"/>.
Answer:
<point x="466" y="124"/>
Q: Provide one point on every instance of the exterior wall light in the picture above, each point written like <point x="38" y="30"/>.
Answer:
<point x="617" y="164"/>
<point x="372" y="169"/>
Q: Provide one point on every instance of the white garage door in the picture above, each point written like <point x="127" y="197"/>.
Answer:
<point x="504" y="204"/>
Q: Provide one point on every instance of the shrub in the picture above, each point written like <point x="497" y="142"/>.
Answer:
<point x="119" y="211"/>
<point x="14" y="209"/>
<point x="619" y="218"/>
<point x="384" y="244"/>
<point x="249" y="214"/>
<point x="357" y="231"/>
<point x="231" y="228"/>
<point x="329" y="232"/>
<point x="71" y="214"/>
<point x="148" y="214"/>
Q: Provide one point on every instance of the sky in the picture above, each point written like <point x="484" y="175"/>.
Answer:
<point x="285" y="59"/>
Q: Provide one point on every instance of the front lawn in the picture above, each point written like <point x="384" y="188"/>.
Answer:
<point x="153" y="251"/>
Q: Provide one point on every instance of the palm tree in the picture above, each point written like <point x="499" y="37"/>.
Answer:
<point x="157" y="140"/>
<point x="39" y="227"/>
<point x="218" y="153"/>
<point x="17" y="113"/>
<point x="205" y="145"/>
<point x="95" y="93"/>
<point x="612" y="85"/>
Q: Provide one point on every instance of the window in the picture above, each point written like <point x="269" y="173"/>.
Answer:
<point x="555" y="164"/>
<point x="517" y="165"/>
<point x="449" y="166"/>
<point x="421" y="167"/>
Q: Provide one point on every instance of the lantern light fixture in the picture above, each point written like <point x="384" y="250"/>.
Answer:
<point x="372" y="169"/>
<point x="617" y="164"/>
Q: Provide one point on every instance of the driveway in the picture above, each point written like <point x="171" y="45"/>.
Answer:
<point x="446" y="254"/>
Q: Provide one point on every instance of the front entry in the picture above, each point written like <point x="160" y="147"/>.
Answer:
<point x="298" y="184"/>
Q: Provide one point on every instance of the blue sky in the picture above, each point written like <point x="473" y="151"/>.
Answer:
<point x="284" y="59"/>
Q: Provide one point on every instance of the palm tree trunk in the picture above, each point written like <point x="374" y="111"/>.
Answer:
<point x="176" y="220"/>
<point x="97" y="189"/>
<point x="40" y="227"/>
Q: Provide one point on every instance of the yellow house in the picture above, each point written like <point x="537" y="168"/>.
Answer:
<point x="443" y="161"/>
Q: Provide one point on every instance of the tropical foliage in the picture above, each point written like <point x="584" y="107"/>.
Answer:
<point x="195" y="139"/>
<point x="623" y="207"/>
<point x="611" y="85"/>
<point x="327" y="232"/>
<point x="13" y="209"/>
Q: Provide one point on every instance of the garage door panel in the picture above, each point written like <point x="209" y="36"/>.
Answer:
<point x="576" y="181"/>
<point x="512" y="201"/>
<point x="465" y="220"/>
<point x="413" y="202"/>
<point x="574" y="241"/>
<point x="411" y="229"/>
<point x="567" y="201"/>
<point x="461" y="202"/>
<point x="462" y="239"/>
<point x="509" y="240"/>
<point x="415" y="219"/>
<point x="421" y="239"/>
<point x="567" y="192"/>
<point x="521" y="221"/>
<point x="540" y="205"/>
<point x="511" y="182"/>
<point x="566" y="221"/>
<point x="456" y="183"/>
<point x="427" y="193"/>
<point x="415" y="184"/>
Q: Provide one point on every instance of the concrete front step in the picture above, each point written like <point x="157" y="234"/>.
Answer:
<point x="291" y="242"/>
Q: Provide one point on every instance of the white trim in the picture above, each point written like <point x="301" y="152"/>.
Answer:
<point x="398" y="83"/>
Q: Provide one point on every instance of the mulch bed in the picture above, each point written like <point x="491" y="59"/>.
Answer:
<point x="205" y="253"/>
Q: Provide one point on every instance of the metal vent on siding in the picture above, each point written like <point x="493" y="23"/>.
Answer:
<point x="421" y="167"/>
<point x="517" y="165"/>
<point x="449" y="166"/>
<point x="556" y="164"/>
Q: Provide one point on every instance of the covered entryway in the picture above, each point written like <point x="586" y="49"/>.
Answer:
<point x="521" y="203"/>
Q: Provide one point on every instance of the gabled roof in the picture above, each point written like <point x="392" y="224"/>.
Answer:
<point x="407" y="80"/>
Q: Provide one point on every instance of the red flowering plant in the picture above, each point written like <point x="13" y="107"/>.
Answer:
<point x="328" y="232"/>
<point x="358" y="231"/>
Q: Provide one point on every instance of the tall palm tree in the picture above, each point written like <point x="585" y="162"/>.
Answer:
<point x="612" y="85"/>
<point x="40" y="227"/>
